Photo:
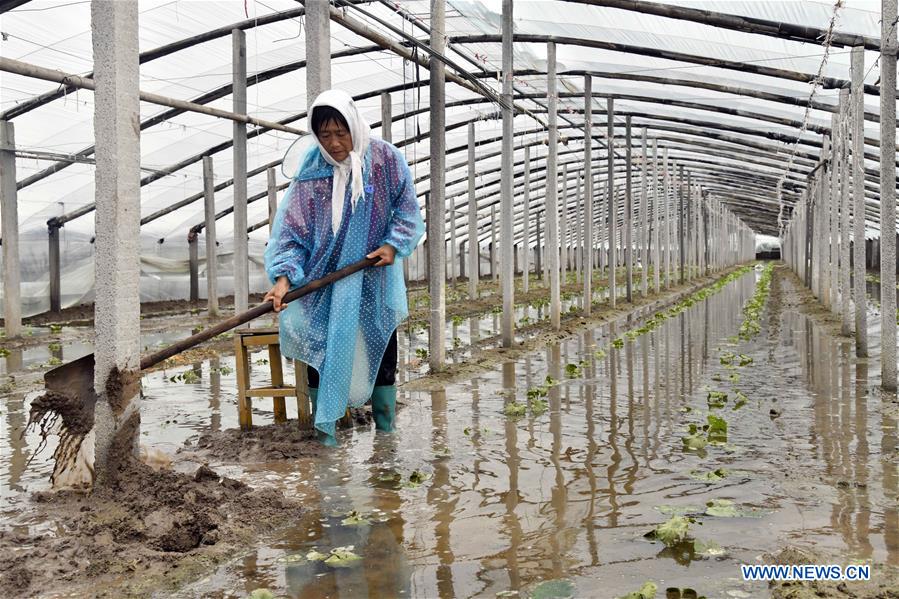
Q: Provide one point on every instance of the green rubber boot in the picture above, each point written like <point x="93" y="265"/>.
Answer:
<point x="323" y="438"/>
<point x="383" y="407"/>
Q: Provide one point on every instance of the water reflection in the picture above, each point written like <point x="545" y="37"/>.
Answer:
<point x="568" y="494"/>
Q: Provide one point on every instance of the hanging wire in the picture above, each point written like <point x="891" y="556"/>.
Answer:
<point x="819" y="77"/>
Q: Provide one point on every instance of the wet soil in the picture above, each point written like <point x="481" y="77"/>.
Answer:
<point x="145" y="531"/>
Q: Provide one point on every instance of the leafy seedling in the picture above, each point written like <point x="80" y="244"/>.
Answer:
<point x="262" y="594"/>
<point x="422" y="353"/>
<point x="342" y="557"/>
<point x="538" y="406"/>
<point x="721" y="508"/>
<point x="717" y="429"/>
<point x="4" y="353"/>
<point x="618" y="343"/>
<point x="600" y="354"/>
<point x="457" y="320"/>
<point x="711" y="476"/>
<point x="745" y="360"/>
<point x="695" y="439"/>
<point x="572" y="370"/>
<point x="647" y="591"/>
<point x="514" y="409"/>
<point x="553" y="589"/>
<point x="727" y="358"/>
<point x="717" y="399"/>
<point x="54" y="361"/>
<point x="740" y="401"/>
<point x="56" y="329"/>
<point x="354" y="518"/>
<point x="316" y="556"/>
<point x="672" y="532"/>
<point x="416" y="479"/>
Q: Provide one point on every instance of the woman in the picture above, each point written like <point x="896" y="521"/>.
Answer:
<point x="352" y="197"/>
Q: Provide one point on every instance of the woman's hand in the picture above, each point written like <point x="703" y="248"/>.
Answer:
<point x="277" y="293"/>
<point x="386" y="254"/>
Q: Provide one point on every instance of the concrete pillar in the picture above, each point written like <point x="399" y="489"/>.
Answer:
<point x="452" y="254"/>
<point x="552" y="208"/>
<point x="666" y="199"/>
<point x="845" y="271"/>
<point x="657" y="219"/>
<point x="538" y="256"/>
<point x="193" y="261"/>
<point x="117" y="224"/>
<point x="507" y="197"/>
<point x="830" y="214"/>
<point x="55" y="269"/>
<point x="578" y="228"/>
<point x="612" y="201"/>
<point x="462" y="258"/>
<point x="386" y="117"/>
<point x="436" y="205"/>
<point x="212" y="294"/>
<point x="526" y="221"/>
<point x="272" y="182"/>
<point x="888" y="193"/>
<point x="317" y="24"/>
<point x="493" y="267"/>
<point x="859" y="247"/>
<point x="682" y="208"/>
<point x="644" y="203"/>
<point x="474" y="257"/>
<point x="241" y="258"/>
<point x="628" y="213"/>
<point x="9" y="211"/>
<point x="588" y="195"/>
<point x="563" y="225"/>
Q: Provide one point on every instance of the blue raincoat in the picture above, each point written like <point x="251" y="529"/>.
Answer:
<point x="342" y="330"/>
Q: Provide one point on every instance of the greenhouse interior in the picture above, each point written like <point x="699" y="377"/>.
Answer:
<point x="448" y="298"/>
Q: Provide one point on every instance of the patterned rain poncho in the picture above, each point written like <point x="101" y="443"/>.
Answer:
<point x="342" y="330"/>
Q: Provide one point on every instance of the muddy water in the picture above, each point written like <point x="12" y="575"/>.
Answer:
<point x="566" y="496"/>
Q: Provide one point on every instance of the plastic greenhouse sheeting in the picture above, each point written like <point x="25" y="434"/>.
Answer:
<point x="56" y="34"/>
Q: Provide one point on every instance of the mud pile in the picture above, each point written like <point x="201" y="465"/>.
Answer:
<point x="266" y="443"/>
<point x="144" y="529"/>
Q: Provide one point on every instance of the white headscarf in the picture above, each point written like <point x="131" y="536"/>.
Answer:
<point x="351" y="167"/>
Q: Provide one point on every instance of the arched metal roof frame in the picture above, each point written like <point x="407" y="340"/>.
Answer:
<point x="457" y="40"/>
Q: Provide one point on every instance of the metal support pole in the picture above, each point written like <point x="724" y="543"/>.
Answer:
<point x="436" y="206"/>
<point x="628" y="212"/>
<point x="538" y="257"/>
<point x="578" y="228"/>
<point x="117" y="225"/>
<point x="212" y="296"/>
<point x="552" y="207"/>
<point x="241" y="253"/>
<point x="474" y="248"/>
<point x="317" y="23"/>
<point x="859" y="292"/>
<point x="526" y="221"/>
<point x="612" y="202"/>
<point x="9" y="211"/>
<point x="588" y="195"/>
<point x="888" y="194"/>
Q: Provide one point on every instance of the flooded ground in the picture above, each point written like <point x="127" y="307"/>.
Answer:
<point x="467" y="501"/>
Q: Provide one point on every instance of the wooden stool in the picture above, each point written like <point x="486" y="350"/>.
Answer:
<point x="244" y="341"/>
